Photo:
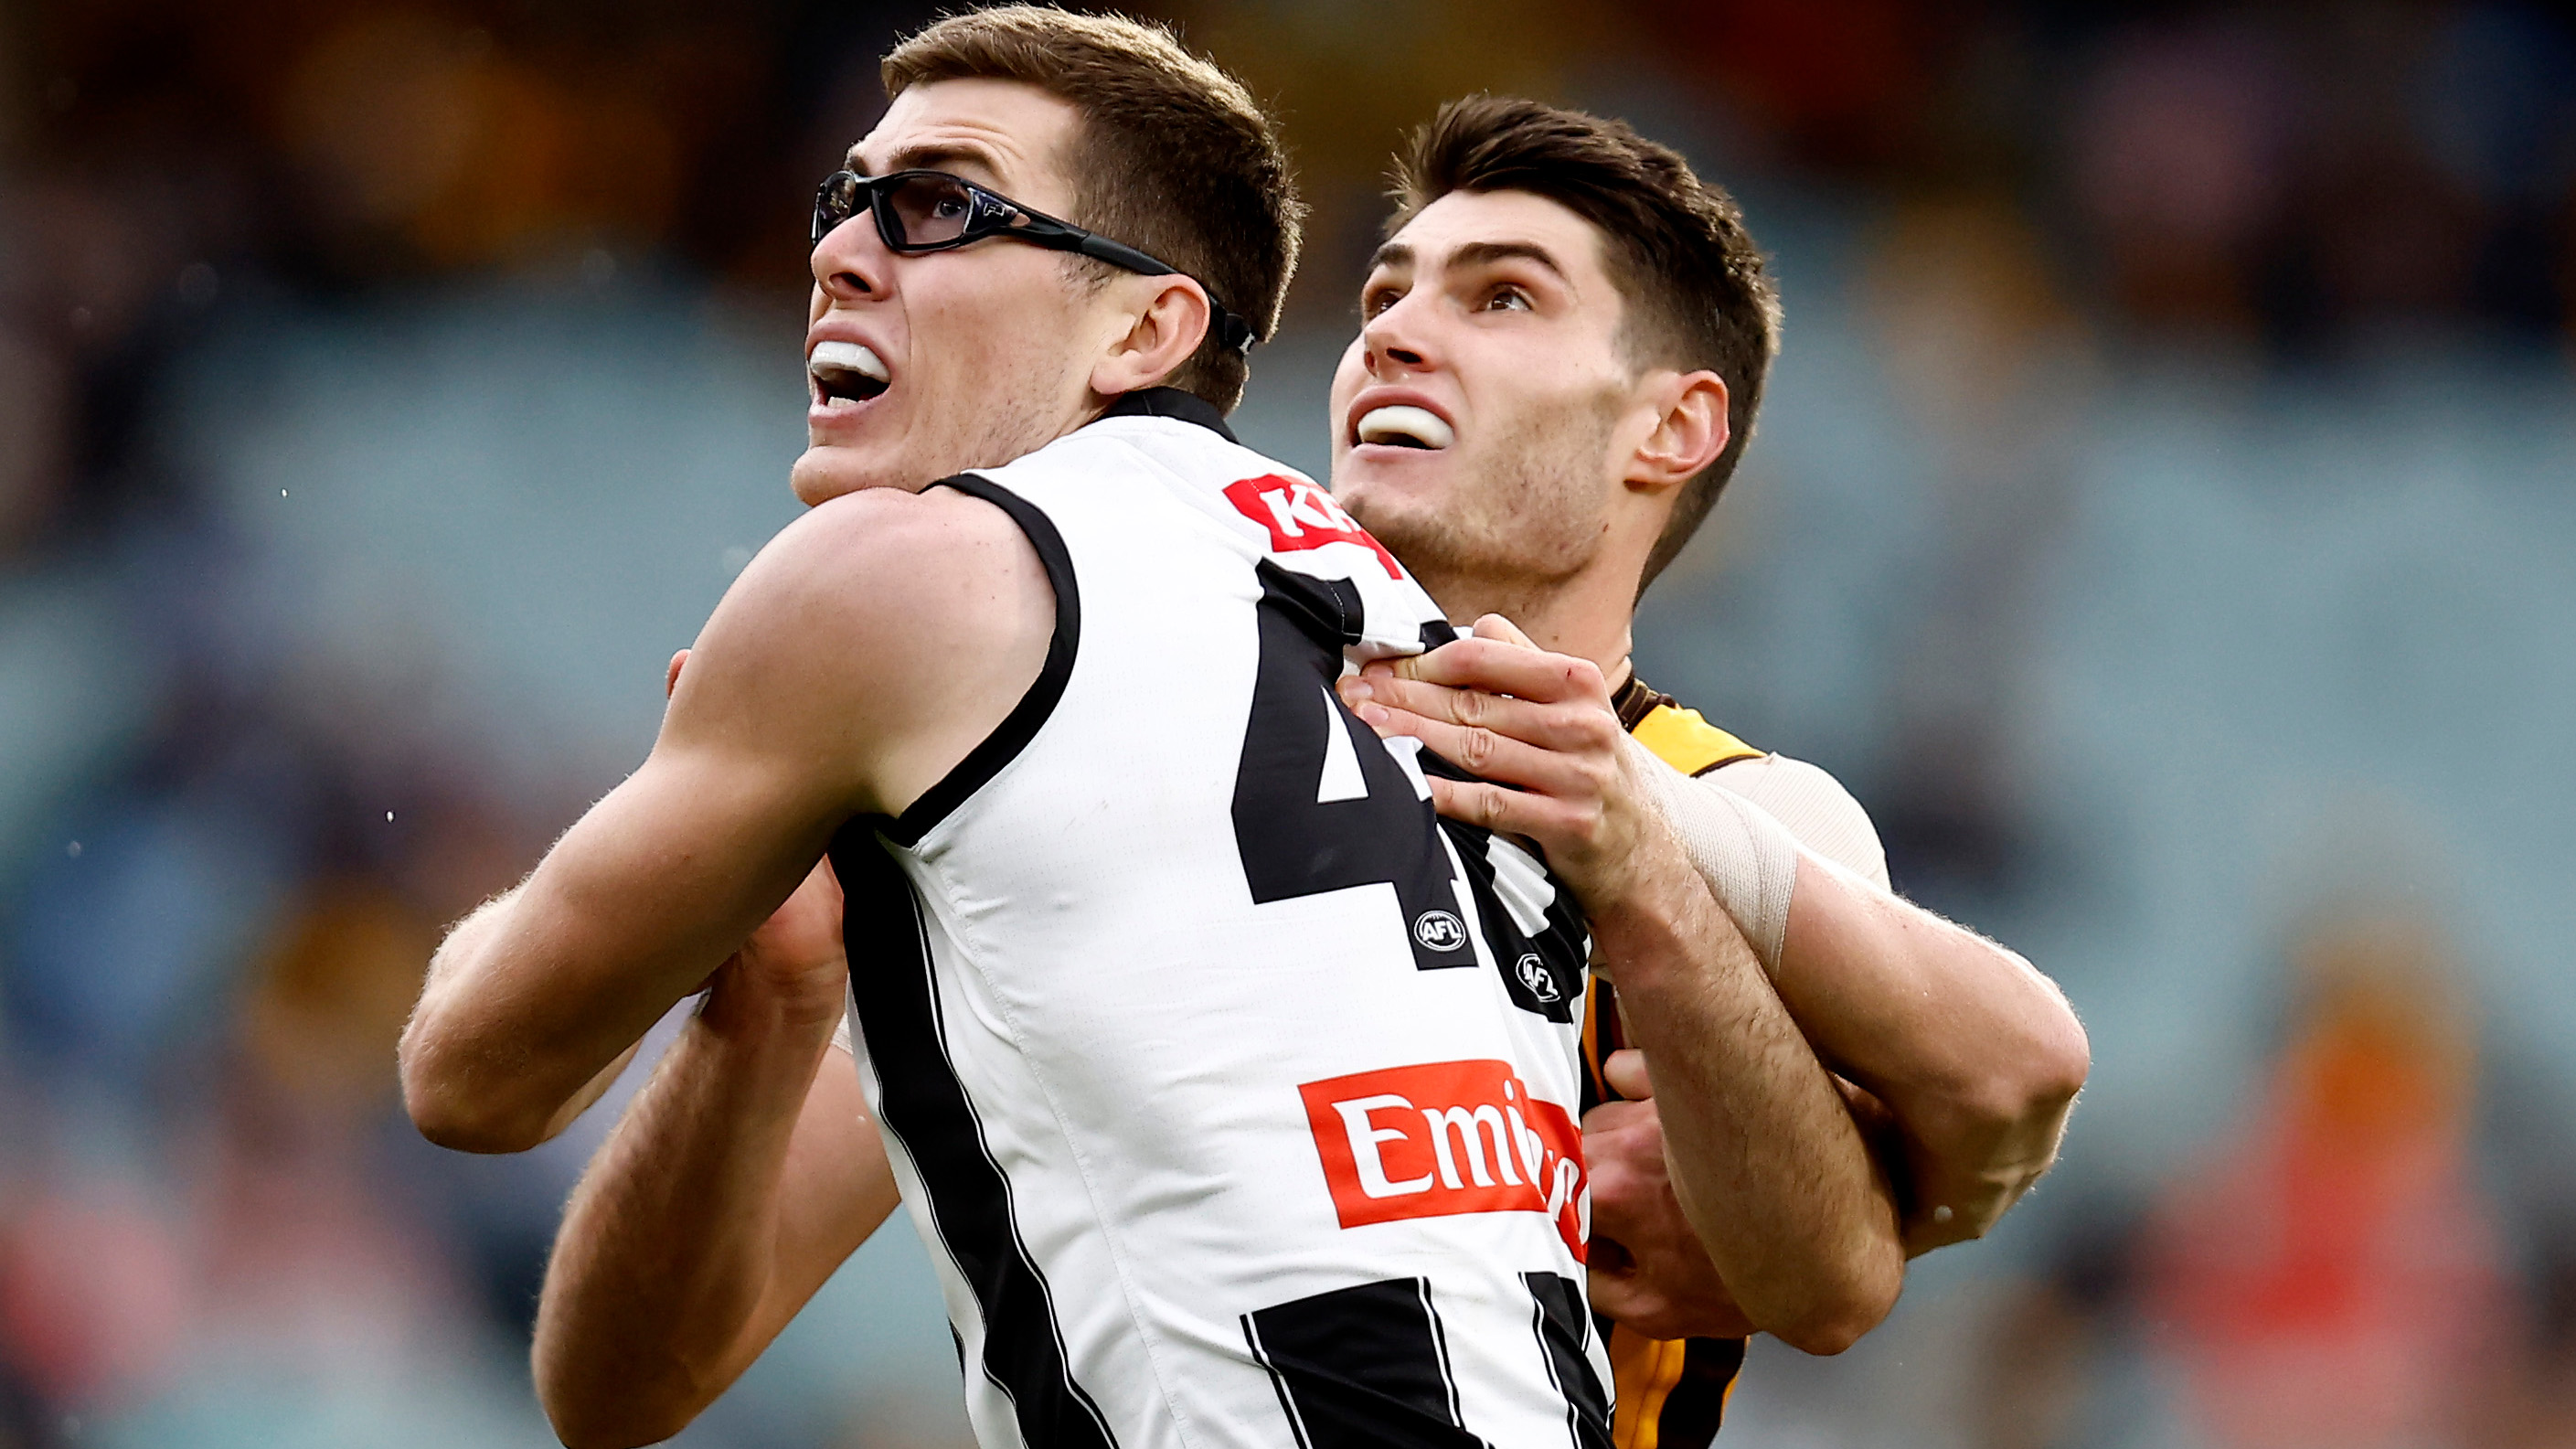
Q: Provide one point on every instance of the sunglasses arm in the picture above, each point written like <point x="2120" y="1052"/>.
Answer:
<point x="1234" y="334"/>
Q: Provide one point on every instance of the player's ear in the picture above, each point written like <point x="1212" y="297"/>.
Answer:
<point x="1689" y="432"/>
<point x="1165" y="318"/>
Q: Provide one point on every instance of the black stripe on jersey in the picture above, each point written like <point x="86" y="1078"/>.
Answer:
<point x="1170" y="402"/>
<point x="1015" y="731"/>
<point x="1328" y="611"/>
<point x="926" y="1108"/>
<point x="1544" y="974"/>
<point x="1362" y="1366"/>
<point x="1557" y="1316"/>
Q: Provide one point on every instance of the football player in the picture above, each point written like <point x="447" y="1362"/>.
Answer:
<point x="1562" y="349"/>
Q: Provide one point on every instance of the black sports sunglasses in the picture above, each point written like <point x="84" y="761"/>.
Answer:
<point x="932" y="211"/>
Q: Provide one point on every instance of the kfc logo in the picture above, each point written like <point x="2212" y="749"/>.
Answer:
<point x="1447" y="1137"/>
<point x="1300" y="515"/>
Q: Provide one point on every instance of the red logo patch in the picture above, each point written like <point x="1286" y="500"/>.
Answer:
<point x="1446" y="1137"/>
<point x="1301" y="515"/>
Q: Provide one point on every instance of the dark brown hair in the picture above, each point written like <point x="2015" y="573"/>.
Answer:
<point x="1175" y="158"/>
<point x="1693" y="286"/>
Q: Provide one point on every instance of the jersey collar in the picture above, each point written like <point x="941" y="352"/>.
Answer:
<point x="1171" y="402"/>
<point x="1635" y="700"/>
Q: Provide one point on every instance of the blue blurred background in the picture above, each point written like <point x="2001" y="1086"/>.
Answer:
<point x="2164" y="519"/>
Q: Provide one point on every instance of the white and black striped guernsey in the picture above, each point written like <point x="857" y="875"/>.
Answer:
<point x="1232" y="1093"/>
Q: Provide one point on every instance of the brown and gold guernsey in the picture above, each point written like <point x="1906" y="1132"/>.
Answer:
<point x="1671" y="1393"/>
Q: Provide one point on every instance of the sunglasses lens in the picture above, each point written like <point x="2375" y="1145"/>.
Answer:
<point x="834" y="203"/>
<point x="930" y="210"/>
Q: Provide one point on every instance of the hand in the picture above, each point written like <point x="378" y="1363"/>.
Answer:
<point x="1540" y="728"/>
<point x="1649" y="1271"/>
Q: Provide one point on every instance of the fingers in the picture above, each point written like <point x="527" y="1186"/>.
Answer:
<point x="1622" y="1294"/>
<point x="671" y="676"/>
<point x="1492" y="755"/>
<point x="1495" y="626"/>
<point x="1500" y="666"/>
<point x="1625" y="1071"/>
<point x="1623" y="1149"/>
<point x="1571" y="727"/>
<point x="1611" y="1118"/>
<point x="1507" y="812"/>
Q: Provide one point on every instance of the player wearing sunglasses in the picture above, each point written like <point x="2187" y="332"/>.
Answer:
<point x="1231" y="1093"/>
<point x="931" y="211"/>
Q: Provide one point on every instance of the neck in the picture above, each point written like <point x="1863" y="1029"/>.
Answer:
<point x="1587" y="616"/>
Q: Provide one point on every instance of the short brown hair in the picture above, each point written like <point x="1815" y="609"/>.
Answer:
<point x="1175" y="158"/>
<point x="1693" y="284"/>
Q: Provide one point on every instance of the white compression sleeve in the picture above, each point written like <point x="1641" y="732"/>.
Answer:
<point x="1749" y="859"/>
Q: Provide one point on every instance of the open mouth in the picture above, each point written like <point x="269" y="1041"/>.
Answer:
<point x="1403" y="426"/>
<point x="845" y="373"/>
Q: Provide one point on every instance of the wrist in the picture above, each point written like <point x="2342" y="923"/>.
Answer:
<point x="750" y="1011"/>
<point x="1652" y="933"/>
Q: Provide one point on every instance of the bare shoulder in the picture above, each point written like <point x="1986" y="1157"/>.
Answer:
<point x="872" y="630"/>
<point x="1806" y="798"/>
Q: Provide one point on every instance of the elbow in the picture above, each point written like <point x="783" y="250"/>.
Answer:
<point x="460" y="1129"/>
<point x="604" y="1410"/>
<point x="596" y="1426"/>
<point x="454" y="1114"/>
<point x="2030" y="1087"/>
<point x="589" y="1427"/>
<point x="2060" y="1056"/>
<point x="2069" y="1062"/>
<point x="1836" y="1321"/>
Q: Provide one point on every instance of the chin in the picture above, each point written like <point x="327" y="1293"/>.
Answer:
<point x="1384" y="496"/>
<point x="825" y="473"/>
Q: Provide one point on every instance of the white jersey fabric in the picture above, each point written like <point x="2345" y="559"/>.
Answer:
<point x="1232" y="1093"/>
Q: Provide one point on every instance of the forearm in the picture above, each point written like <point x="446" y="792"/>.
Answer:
<point x="671" y="1242"/>
<point x="1974" y="1053"/>
<point x="531" y="997"/>
<point x="1766" y="1159"/>
<point x="477" y="1074"/>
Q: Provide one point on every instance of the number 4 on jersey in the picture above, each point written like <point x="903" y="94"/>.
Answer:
<point x="1319" y="803"/>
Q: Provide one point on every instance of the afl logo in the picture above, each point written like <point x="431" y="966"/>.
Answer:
<point x="1439" y="931"/>
<point x="1533" y="974"/>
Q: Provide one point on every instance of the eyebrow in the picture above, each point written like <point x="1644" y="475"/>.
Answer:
<point x="1475" y="254"/>
<point x="1478" y="254"/>
<point x="931" y="156"/>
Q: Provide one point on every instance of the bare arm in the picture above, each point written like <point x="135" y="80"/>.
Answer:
<point x="1973" y="1054"/>
<point x="1767" y="1163"/>
<point x="742" y="1175"/>
<point x="864" y="653"/>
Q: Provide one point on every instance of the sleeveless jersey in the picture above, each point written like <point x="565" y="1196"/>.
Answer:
<point x="1671" y="1393"/>
<point x="1232" y="1092"/>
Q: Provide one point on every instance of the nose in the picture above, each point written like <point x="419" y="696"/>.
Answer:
<point x="1395" y="340"/>
<point x="851" y="262"/>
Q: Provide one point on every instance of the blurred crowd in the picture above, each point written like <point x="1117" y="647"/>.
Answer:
<point x="2118" y="336"/>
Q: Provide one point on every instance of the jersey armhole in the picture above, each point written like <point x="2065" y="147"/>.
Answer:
<point x="1021" y="725"/>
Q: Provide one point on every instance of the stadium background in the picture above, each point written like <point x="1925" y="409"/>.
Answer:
<point x="2162" y="519"/>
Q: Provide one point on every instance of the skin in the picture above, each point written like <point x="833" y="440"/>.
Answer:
<point x="1952" y="1055"/>
<point x="857" y="660"/>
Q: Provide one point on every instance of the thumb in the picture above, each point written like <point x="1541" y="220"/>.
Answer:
<point x="1495" y="626"/>
<point x="671" y="676"/>
<point x="1625" y="1071"/>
